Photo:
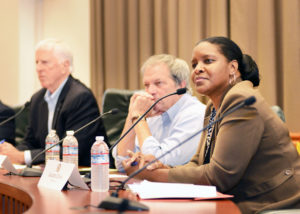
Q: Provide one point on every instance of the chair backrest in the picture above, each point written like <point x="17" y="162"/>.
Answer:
<point x="115" y="98"/>
<point x="279" y="112"/>
<point x="21" y="122"/>
<point x="295" y="136"/>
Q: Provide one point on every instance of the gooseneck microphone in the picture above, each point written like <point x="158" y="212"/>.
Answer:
<point x="16" y="114"/>
<point x="111" y="202"/>
<point x="33" y="172"/>
<point x="179" y="91"/>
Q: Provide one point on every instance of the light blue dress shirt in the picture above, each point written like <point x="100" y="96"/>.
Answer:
<point x="51" y="100"/>
<point x="169" y="129"/>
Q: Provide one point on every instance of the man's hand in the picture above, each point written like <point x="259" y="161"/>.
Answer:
<point x="128" y="165"/>
<point x="140" y="160"/>
<point x="140" y="102"/>
<point x="14" y="155"/>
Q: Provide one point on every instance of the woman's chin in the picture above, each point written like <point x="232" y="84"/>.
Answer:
<point x="201" y="89"/>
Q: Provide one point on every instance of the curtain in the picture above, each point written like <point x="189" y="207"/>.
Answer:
<point x="124" y="33"/>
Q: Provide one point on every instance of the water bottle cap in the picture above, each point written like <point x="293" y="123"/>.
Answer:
<point x="52" y="131"/>
<point x="99" y="138"/>
<point x="71" y="132"/>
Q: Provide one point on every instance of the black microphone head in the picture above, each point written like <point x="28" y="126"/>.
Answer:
<point x="250" y="101"/>
<point x="114" y="111"/>
<point x="181" y="91"/>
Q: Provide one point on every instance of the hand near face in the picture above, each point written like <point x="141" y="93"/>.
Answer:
<point x="140" y="102"/>
<point x="14" y="155"/>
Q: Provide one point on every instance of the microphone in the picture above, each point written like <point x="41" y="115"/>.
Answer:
<point x="179" y="91"/>
<point x="250" y="101"/>
<point x="33" y="172"/>
<point x="16" y="114"/>
<point x="111" y="203"/>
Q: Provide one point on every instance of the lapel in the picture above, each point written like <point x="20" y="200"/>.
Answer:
<point x="204" y="134"/>
<point x="44" y="111"/>
<point x="60" y="102"/>
<point x="214" y="134"/>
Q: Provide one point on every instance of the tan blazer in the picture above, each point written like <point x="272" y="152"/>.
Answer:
<point x="252" y="156"/>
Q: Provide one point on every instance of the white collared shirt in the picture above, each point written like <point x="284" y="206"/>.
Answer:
<point x="169" y="129"/>
<point x="51" y="100"/>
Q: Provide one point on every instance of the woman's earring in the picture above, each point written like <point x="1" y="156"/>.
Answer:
<point x="232" y="80"/>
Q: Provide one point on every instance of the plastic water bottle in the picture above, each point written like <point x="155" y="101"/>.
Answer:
<point x="99" y="165"/>
<point x="52" y="154"/>
<point x="70" y="149"/>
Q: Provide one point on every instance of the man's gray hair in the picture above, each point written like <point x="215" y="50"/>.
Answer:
<point x="60" y="49"/>
<point x="179" y="69"/>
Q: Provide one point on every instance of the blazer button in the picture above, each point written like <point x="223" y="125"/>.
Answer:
<point x="288" y="172"/>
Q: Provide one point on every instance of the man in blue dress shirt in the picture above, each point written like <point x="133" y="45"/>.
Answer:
<point x="64" y="103"/>
<point x="171" y="121"/>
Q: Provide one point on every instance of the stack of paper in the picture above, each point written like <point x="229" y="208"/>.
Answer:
<point x="148" y="190"/>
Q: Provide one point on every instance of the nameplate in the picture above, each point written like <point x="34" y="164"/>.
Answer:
<point x="56" y="175"/>
<point x="6" y="164"/>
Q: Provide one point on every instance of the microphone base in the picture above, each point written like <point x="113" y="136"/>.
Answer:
<point x="121" y="204"/>
<point x="31" y="172"/>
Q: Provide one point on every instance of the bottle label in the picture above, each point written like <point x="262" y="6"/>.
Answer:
<point x="70" y="150"/>
<point x="99" y="158"/>
<point x="55" y="149"/>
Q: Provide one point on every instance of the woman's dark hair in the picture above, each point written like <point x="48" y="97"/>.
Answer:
<point x="246" y="65"/>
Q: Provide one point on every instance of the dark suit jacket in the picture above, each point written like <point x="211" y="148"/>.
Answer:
<point x="76" y="106"/>
<point x="252" y="156"/>
<point x="7" y="130"/>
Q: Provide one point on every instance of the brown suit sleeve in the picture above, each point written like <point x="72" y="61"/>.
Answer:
<point x="237" y="139"/>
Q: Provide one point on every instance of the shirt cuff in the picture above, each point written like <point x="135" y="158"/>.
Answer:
<point x="27" y="157"/>
<point x="118" y="160"/>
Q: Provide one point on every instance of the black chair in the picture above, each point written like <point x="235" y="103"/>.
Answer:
<point x="115" y="98"/>
<point x="21" y="121"/>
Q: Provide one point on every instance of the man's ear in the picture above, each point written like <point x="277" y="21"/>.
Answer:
<point x="66" y="65"/>
<point x="182" y="84"/>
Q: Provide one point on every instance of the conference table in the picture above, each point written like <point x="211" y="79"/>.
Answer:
<point x="19" y="193"/>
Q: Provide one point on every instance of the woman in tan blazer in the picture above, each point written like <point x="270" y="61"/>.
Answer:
<point x="249" y="152"/>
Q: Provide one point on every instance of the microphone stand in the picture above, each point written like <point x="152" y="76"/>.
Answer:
<point x="112" y="203"/>
<point x="178" y="91"/>
<point x="33" y="172"/>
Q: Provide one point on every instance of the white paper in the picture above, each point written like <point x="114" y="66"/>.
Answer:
<point x="147" y="190"/>
<point x="19" y="166"/>
<point x="76" y="181"/>
<point x="117" y="176"/>
<point x="56" y="174"/>
<point x="6" y="164"/>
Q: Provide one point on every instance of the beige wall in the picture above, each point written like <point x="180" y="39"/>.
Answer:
<point x="9" y="51"/>
<point x="69" y="20"/>
<point x="23" y="24"/>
